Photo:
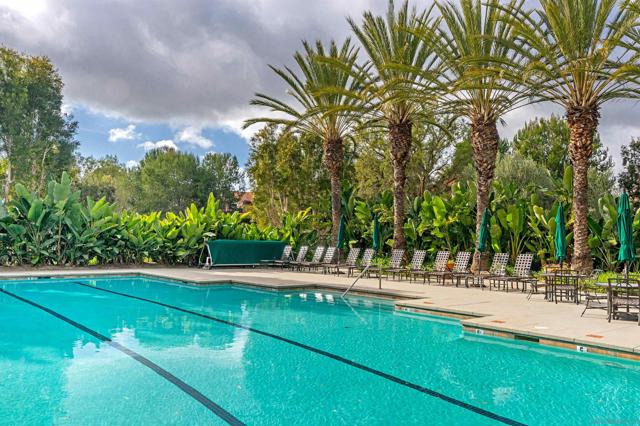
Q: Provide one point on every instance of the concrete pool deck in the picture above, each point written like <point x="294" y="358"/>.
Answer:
<point x="507" y="315"/>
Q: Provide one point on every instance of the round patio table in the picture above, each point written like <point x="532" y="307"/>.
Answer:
<point x="565" y="278"/>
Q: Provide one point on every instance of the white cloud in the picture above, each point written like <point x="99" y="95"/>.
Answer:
<point x="127" y="133"/>
<point x="131" y="164"/>
<point x="193" y="136"/>
<point x="66" y="108"/>
<point x="165" y="143"/>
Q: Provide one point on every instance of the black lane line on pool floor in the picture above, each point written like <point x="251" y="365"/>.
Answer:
<point x="335" y="357"/>
<point x="192" y="392"/>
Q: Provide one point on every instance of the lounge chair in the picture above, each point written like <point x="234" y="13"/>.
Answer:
<point x="461" y="267"/>
<point x="330" y="259"/>
<point x="365" y="262"/>
<point x="302" y="255"/>
<point x="415" y="265"/>
<point x="351" y="260"/>
<point x="315" y="260"/>
<point x="397" y="255"/>
<point x="521" y="274"/>
<point x="497" y="269"/>
<point x="284" y="258"/>
<point x="439" y="267"/>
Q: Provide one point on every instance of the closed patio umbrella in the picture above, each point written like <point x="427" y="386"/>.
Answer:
<point x="625" y="233"/>
<point x="483" y="236"/>
<point x="341" y="235"/>
<point x="341" y="232"/>
<point x="376" y="233"/>
<point x="560" y="238"/>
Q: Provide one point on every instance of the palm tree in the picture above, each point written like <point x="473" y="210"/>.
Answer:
<point x="579" y="59"/>
<point x="328" y="115"/>
<point x="477" y="65"/>
<point x="386" y="87"/>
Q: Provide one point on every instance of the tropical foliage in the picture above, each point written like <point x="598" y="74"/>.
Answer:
<point x="60" y="229"/>
<point x="404" y="128"/>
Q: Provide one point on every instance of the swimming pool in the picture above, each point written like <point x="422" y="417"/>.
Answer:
<point x="123" y="350"/>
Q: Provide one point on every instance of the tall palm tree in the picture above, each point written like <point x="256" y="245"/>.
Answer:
<point x="477" y="64"/>
<point x="386" y="89"/>
<point x="328" y="115"/>
<point x="579" y="59"/>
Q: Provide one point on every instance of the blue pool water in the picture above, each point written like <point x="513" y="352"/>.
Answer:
<point x="134" y="351"/>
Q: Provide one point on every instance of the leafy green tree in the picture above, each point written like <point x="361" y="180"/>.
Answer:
<point x="387" y="84"/>
<point x="321" y="107"/>
<point x="36" y="137"/>
<point x="629" y="178"/>
<point x="579" y="58"/>
<point x="286" y="174"/>
<point x="105" y="178"/>
<point x="220" y="175"/>
<point x="546" y="141"/>
<point x="166" y="180"/>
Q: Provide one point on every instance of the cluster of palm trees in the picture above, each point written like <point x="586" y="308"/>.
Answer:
<point x="477" y="59"/>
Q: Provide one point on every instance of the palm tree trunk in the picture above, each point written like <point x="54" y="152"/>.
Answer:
<point x="400" y="138"/>
<point x="583" y="122"/>
<point x="484" y="141"/>
<point x="333" y="156"/>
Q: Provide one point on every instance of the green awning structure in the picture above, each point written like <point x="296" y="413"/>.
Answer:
<point x="560" y="238"/>
<point x="243" y="252"/>
<point x="625" y="232"/>
<point x="376" y="233"/>
<point x="342" y="230"/>
<point x="483" y="235"/>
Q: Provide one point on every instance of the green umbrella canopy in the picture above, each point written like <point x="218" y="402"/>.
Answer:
<point x="483" y="236"/>
<point x="560" y="238"/>
<point x="342" y="230"/>
<point x="625" y="233"/>
<point x="376" y="233"/>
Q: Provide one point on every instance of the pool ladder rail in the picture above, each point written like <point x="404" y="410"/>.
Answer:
<point x="360" y="276"/>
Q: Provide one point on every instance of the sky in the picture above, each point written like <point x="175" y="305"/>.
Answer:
<point x="143" y="74"/>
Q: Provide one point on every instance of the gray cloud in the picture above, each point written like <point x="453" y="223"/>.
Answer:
<point x="194" y="61"/>
<point x="198" y="62"/>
